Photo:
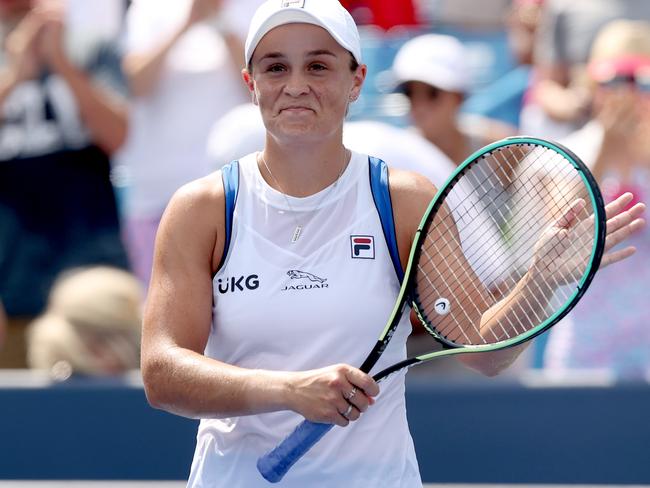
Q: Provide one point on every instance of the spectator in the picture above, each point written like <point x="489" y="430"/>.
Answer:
<point x="61" y="119"/>
<point x="183" y="62"/>
<point x="3" y="325"/>
<point x="91" y="325"/>
<point x="609" y="327"/>
<point x="505" y="97"/>
<point x="431" y="71"/>
<point x="523" y="22"/>
<point x="567" y="30"/>
<point x="8" y="227"/>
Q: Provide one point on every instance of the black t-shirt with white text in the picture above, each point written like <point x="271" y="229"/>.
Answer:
<point x="57" y="206"/>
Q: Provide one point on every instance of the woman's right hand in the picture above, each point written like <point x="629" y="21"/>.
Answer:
<point x="325" y="395"/>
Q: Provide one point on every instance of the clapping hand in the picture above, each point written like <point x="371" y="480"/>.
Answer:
<point x="558" y="251"/>
<point x="203" y="9"/>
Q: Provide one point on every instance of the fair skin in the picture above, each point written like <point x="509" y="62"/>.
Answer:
<point x="560" y="88"/>
<point x="522" y="22"/>
<point x="144" y="69"/>
<point x="302" y="82"/>
<point x="35" y="44"/>
<point x="561" y="99"/>
<point x="623" y="112"/>
<point x="435" y="114"/>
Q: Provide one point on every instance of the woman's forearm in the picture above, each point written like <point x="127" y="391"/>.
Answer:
<point x="518" y="312"/>
<point x="186" y="383"/>
<point x="143" y="69"/>
<point x="102" y="113"/>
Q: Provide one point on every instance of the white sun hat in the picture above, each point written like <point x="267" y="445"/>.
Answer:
<point x="435" y="59"/>
<point x="328" y="14"/>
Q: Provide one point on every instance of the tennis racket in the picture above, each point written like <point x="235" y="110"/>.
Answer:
<point x="549" y="239"/>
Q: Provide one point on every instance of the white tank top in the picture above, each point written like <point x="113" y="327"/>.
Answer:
<point x="289" y="306"/>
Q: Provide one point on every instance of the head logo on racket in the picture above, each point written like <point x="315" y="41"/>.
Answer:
<point x="442" y="306"/>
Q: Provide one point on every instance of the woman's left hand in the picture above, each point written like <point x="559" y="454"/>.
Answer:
<point x="556" y="258"/>
<point x="621" y="224"/>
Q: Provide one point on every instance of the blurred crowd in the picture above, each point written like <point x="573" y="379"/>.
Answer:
<point x="109" y="106"/>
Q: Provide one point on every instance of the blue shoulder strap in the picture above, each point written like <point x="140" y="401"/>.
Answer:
<point x="230" y="177"/>
<point x="381" y="195"/>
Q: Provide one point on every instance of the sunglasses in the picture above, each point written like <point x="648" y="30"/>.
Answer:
<point x="642" y="82"/>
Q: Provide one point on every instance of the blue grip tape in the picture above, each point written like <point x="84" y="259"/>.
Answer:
<point x="275" y="464"/>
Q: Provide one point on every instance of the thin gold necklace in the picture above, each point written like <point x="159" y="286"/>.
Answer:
<point x="300" y="226"/>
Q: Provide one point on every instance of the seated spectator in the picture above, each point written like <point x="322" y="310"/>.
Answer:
<point x="60" y="119"/>
<point x="3" y="325"/>
<point x="431" y="71"/>
<point x="91" y="325"/>
<point x="609" y="329"/>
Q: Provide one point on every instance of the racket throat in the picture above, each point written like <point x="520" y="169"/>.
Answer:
<point x="373" y="356"/>
<point x="383" y="374"/>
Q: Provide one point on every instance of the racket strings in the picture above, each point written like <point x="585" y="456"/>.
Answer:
<point x="473" y="320"/>
<point x="494" y="193"/>
<point x="473" y="211"/>
<point x="528" y="223"/>
<point x="467" y="319"/>
<point x="553" y="285"/>
<point x="477" y="250"/>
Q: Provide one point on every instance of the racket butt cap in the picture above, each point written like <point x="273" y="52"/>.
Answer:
<point x="266" y="467"/>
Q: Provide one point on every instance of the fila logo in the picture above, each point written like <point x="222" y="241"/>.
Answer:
<point x="362" y="247"/>
<point x="293" y="3"/>
<point x="225" y="285"/>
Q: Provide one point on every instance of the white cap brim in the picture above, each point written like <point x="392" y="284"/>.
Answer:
<point x="298" y="15"/>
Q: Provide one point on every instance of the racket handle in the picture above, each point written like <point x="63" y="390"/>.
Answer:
<point x="275" y="464"/>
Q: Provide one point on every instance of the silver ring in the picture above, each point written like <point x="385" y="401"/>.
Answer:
<point x="347" y="412"/>
<point x="350" y="396"/>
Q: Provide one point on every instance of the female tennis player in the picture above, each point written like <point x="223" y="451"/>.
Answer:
<point x="273" y="277"/>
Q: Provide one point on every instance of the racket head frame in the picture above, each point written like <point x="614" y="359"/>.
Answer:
<point x="596" y="201"/>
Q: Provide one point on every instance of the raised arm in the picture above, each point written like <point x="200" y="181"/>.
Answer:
<point x="104" y="113"/>
<point x="23" y="62"/>
<point x="143" y="68"/>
